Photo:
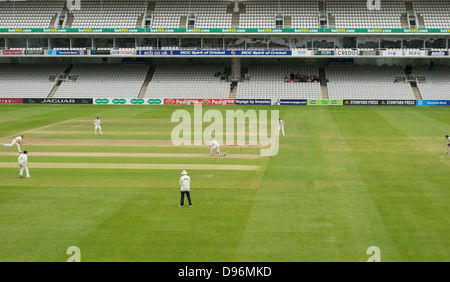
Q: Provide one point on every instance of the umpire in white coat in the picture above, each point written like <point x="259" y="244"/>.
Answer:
<point x="185" y="187"/>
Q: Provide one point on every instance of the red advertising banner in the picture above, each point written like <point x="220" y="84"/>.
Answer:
<point x="12" y="52"/>
<point x="199" y="101"/>
<point x="11" y="101"/>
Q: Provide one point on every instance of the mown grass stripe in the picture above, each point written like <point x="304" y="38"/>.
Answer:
<point x="133" y="166"/>
<point x="131" y="155"/>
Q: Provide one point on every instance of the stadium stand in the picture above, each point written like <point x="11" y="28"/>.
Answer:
<point x="29" y="14"/>
<point x="436" y="84"/>
<point x="108" y="14"/>
<point x="435" y="13"/>
<point x="354" y="14"/>
<point x="268" y="82"/>
<point x="104" y="80"/>
<point x="188" y="81"/>
<point x="367" y="82"/>
<point x="28" y="80"/>
<point x="264" y="14"/>
<point x="219" y="14"/>
<point x="191" y="14"/>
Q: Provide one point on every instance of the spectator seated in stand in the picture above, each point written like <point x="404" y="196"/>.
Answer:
<point x="301" y="78"/>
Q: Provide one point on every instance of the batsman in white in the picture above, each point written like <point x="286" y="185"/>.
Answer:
<point x="280" y="126"/>
<point x="214" y="145"/>
<point x="23" y="164"/>
<point x="97" y="123"/>
<point x="16" y="142"/>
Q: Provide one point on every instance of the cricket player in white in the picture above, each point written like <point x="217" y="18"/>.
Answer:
<point x="16" y="142"/>
<point x="23" y="164"/>
<point x="280" y="126"/>
<point x="214" y="145"/>
<point x="185" y="187"/>
<point x="448" y="143"/>
<point x="97" y="123"/>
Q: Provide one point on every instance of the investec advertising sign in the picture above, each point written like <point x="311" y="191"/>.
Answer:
<point x="253" y="102"/>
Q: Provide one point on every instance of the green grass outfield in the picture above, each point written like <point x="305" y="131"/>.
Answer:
<point x="345" y="179"/>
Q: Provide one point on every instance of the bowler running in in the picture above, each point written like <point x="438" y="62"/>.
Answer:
<point x="17" y="142"/>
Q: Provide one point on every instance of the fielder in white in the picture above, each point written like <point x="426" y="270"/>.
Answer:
<point x="280" y="126"/>
<point x="97" y="123"/>
<point x="23" y="164"/>
<point x="16" y="142"/>
<point x="214" y="145"/>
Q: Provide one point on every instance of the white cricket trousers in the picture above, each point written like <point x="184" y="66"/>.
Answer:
<point x="14" y="142"/>
<point x="282" y="130"/>
<point x="217" y="148"/>
<point x="23" y="166"/>
<point x="99" y="128"/>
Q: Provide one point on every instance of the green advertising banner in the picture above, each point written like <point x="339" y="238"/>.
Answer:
<point x="128" y="101"/>
<point x="221" y="30"/>
<point x="119" y="101"/>
<point x="325" y="102"/>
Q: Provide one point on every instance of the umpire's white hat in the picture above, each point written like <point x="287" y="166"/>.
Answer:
<point x="183" y="172"/>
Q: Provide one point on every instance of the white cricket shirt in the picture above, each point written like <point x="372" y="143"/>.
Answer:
<point x="23" y="159"/>
<point x="185" y="183"/>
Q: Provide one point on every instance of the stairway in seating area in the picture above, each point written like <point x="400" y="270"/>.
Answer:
<point x="235" y="15"/>
<point x="416" y="91"/>
<point x="58" y="82"/>
<point x="53" y="91"/>
<point x="234" y="91"/>
<point x="147" y="80"/>
<point x="287" y="22"/>
<point x="323" y="86"/>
